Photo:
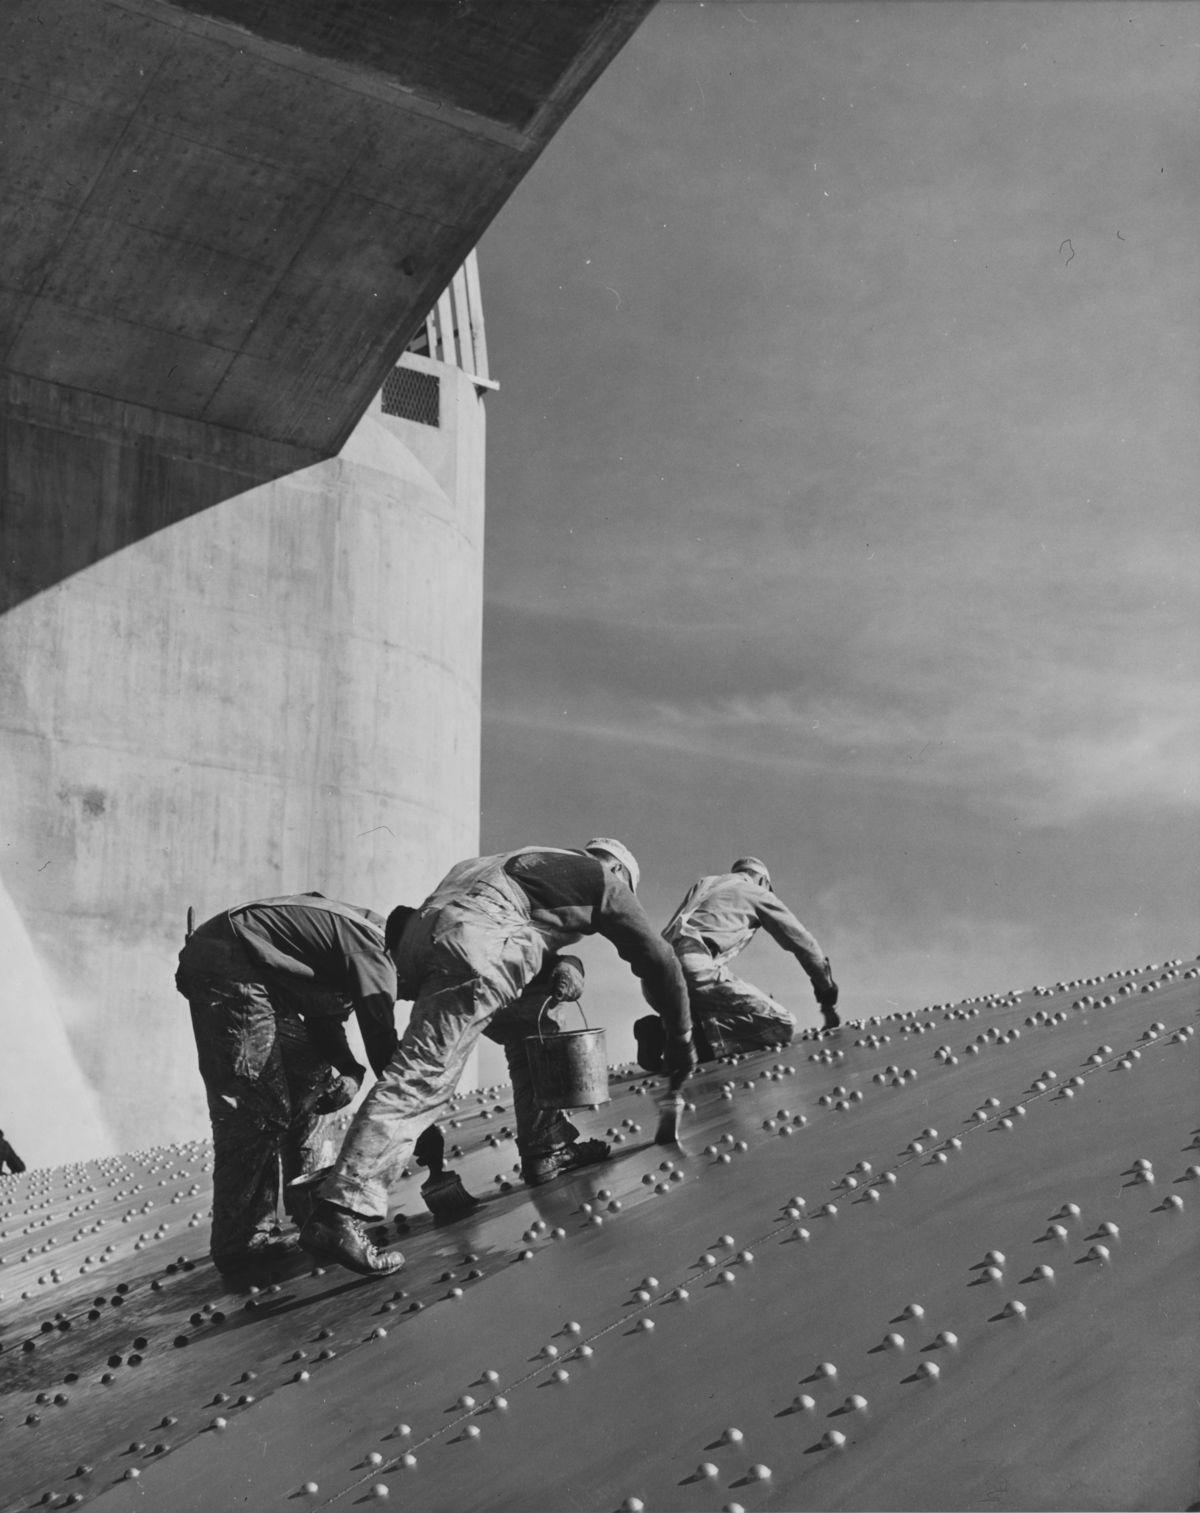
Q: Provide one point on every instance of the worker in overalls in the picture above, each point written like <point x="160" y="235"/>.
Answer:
<point x="270" y="986"/>
<point x="474" y="947"/>
<point x="713" y="925"/>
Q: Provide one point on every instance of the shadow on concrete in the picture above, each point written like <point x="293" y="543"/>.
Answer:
<point x="86" y="477"/>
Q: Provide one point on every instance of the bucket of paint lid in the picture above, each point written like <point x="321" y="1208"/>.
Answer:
<point x="569" y="1067"/>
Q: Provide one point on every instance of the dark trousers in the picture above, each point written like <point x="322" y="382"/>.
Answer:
<point x="263" y="1078"/>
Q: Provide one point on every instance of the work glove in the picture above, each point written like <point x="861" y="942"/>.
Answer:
<point x="338" y="1092"/>
<point x="566" y="980"/>
<point x="679" y="1058"/>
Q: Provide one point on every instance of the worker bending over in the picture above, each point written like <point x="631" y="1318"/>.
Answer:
<point x="270" y="986"/>
<point x="714" y="924"/>
<point x="474" y="948"/>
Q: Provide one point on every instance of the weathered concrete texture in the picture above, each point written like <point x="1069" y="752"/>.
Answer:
<point x="279" y="691"/>
<point x="946" y="1260"/>
<point x="239" y="212"/>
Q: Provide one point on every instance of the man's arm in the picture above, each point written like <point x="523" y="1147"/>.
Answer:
<point x="622" y="920"/>
<point x="783" y="927"/>
<point x="373" y="988"/>
<point x="376" y="1015"/>
<point x="328" y="1035"/>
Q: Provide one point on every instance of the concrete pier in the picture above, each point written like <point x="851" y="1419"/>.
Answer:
<point x="240" y="592"/>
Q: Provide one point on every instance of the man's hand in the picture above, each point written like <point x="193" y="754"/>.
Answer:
<point x="679" y="1058"/>
<point x="339" y="1091"/>
<point x="566" y="980"/>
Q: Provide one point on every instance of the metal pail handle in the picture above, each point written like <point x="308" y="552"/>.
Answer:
<point x="556" y="1001"/>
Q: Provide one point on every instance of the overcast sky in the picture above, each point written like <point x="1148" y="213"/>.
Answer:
<point x="843" y="485"/>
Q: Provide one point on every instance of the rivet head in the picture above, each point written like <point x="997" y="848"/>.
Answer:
<point x="855" y="1403"/>
<point x="929" y="1369"/>
<point x="759" y="1473"/>
<point x="833" y="1439"/>
<point x="732" y="1437"/>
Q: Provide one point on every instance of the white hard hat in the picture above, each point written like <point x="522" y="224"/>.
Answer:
<point x="619" y="853"/>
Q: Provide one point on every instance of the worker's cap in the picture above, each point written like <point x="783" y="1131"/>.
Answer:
<point x="752" y="864"/>
<point x="605" y="846"/>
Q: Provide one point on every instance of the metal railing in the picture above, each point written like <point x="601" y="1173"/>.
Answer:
<point x="453" y="332"/>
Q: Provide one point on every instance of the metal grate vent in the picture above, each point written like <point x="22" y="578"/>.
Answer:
<point x="413" y="396"/>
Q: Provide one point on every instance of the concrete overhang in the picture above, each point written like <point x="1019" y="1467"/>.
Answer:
<point x="237" y="212"/>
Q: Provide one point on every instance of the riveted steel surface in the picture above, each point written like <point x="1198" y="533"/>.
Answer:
<point x="946" y="1260"/>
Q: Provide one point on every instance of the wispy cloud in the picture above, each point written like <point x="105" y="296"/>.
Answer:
<point x="1049" y="732"/>
<point x="867" y="528"/>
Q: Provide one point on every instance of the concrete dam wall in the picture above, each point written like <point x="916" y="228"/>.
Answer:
<point x="277" y="691"/>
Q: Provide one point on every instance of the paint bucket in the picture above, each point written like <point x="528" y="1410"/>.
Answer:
<point x="569" y="1067"/>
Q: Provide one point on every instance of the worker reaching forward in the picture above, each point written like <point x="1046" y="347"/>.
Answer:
<point x="714" y="924"/>
<point x="473" y="947"/>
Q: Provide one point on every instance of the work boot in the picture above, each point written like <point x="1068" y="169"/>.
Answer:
<point x="259" y="1255"/>
<point x="334" y="1234"/>
<point x="568" y="1158"/>
<point x="831" y="1019"/>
